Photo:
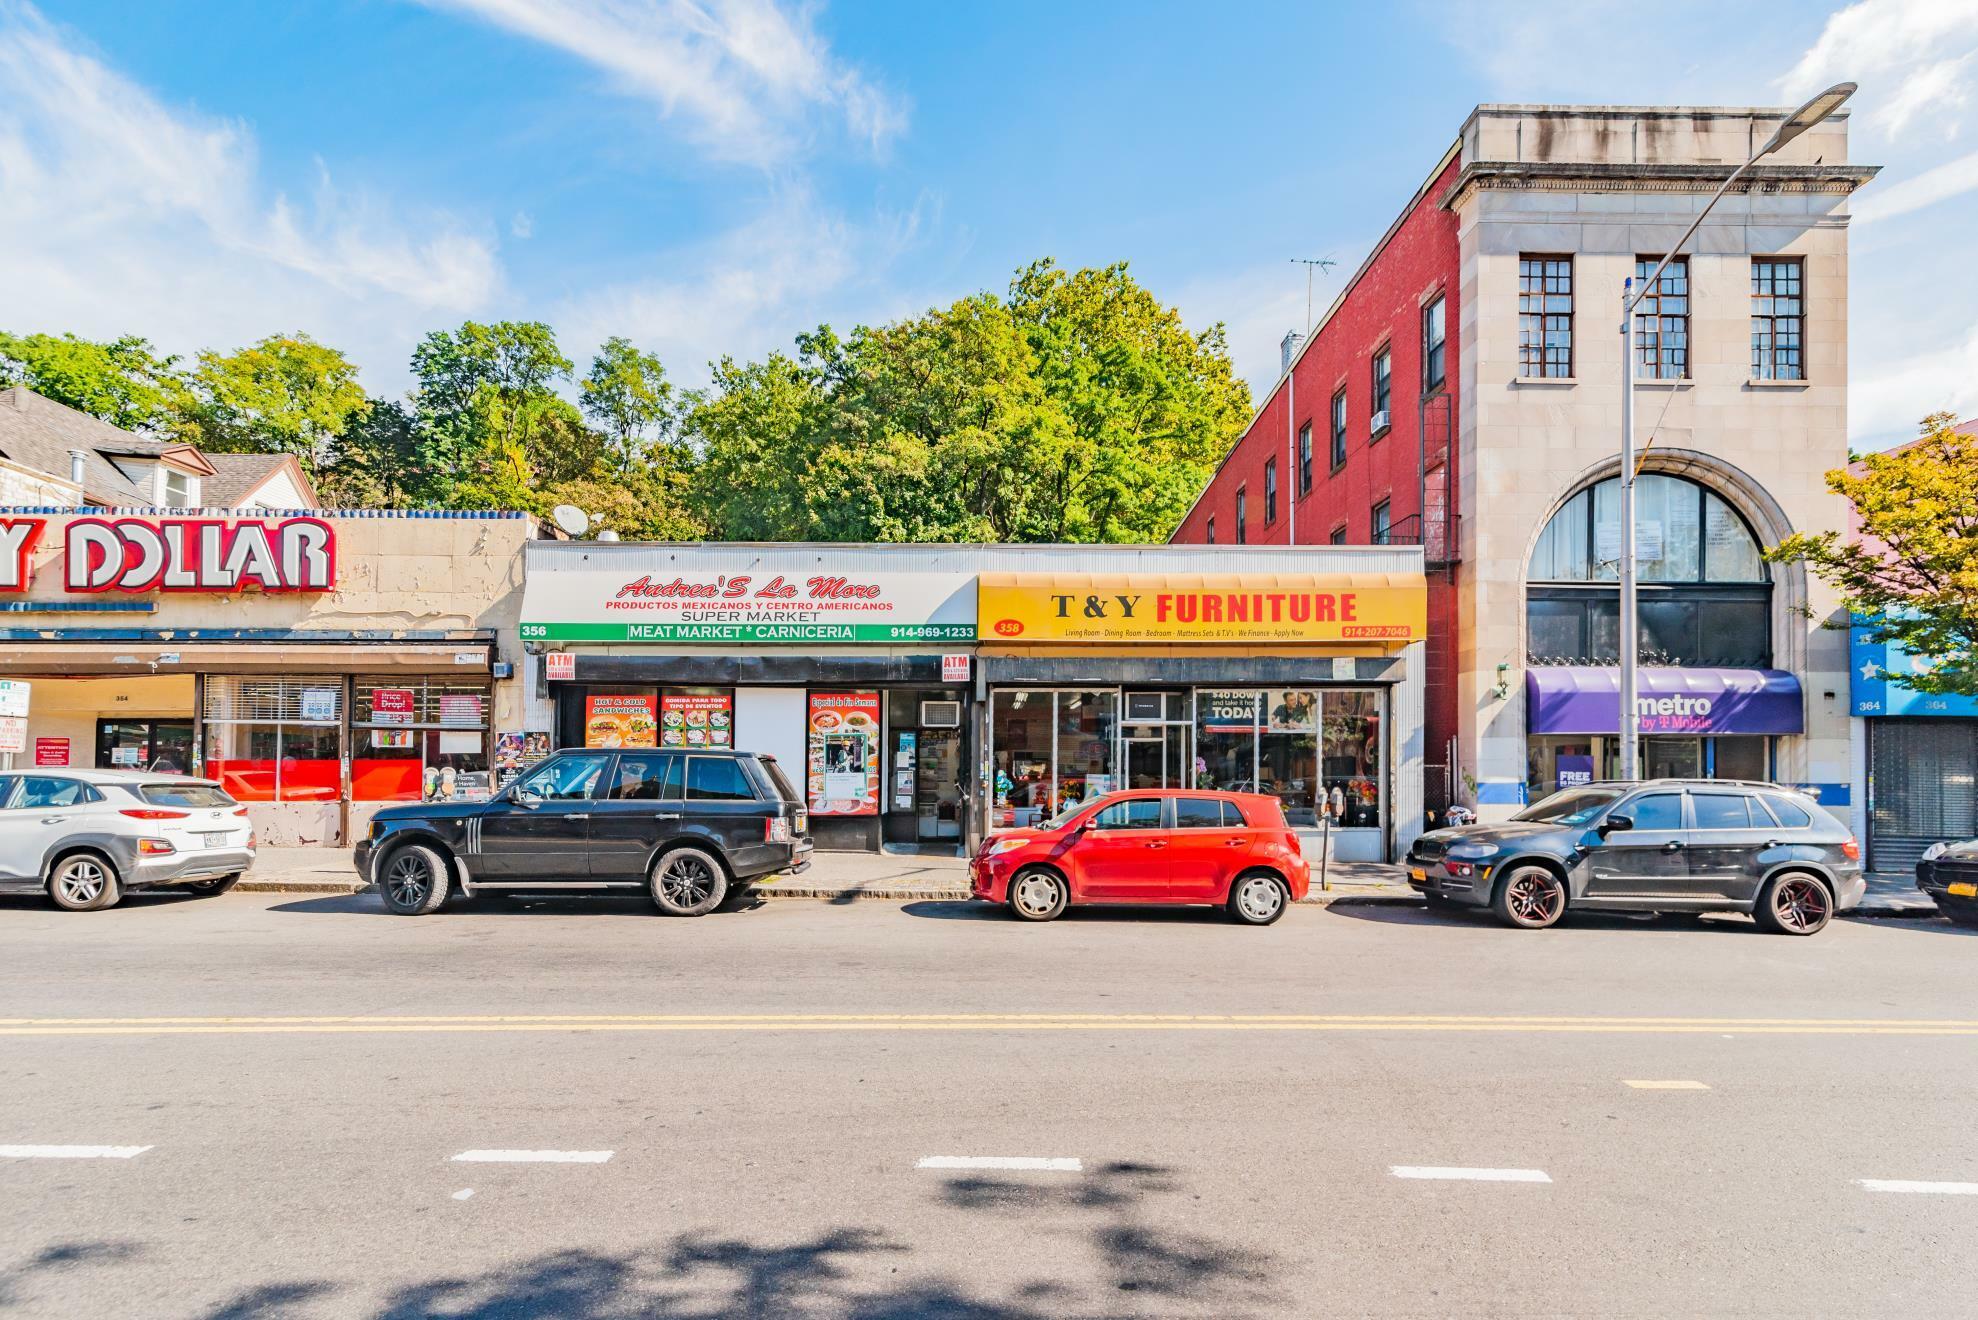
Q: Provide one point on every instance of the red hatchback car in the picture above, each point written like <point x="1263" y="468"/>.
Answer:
<point x="1232" y="850"/>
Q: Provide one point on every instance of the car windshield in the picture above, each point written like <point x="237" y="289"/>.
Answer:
<point x="185" y="795"/>
<point x="1065" y="813"/>
<point x="1575" y="806"/>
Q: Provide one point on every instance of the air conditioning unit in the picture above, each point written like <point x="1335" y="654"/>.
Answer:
<point x="1380" y="423"/>
<point x="940" y="714"/>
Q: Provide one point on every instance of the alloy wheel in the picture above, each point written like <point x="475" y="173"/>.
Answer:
<point x="687" y="881"/>
<point x="408" y="880"/>
<point x="82" y="880"/>
<point x="1800" y="905"/>
<point x="1535" y="897"/>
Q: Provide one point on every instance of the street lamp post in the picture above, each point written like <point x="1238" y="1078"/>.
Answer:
<point x="1815" y="110"/>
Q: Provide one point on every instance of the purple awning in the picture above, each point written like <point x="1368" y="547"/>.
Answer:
<point x="1587" y="699"/>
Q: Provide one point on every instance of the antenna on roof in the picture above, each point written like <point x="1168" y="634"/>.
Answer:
<point x="1323" y="263"/>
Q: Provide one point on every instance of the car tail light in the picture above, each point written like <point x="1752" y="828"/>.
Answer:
<point x="1850" y="849"/>
<point x="803" y="821"/>
<point x="155" y="813"/>
<point x="240" y="811"/>
<point x="776" y="830"/>
<point x="154" y="847"/>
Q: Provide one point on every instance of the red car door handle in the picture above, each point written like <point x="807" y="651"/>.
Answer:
<point x="1234" y="843"/>
<point x="1156" y="843"/>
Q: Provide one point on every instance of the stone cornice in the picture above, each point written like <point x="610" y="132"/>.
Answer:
<point x="1590" y="176"/>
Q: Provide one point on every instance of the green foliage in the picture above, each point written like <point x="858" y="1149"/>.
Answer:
<point x="124" y="381"/>
<point x="628" y="396"/>
<point x="286" y="394"/>
<point x="1077" y="409"/>
<point x="377" y="462"/>
<point x="1914" y="569"/>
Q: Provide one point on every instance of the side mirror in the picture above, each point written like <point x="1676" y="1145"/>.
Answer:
<point x="525" y="798"/>
<point x="1616" y="822"/>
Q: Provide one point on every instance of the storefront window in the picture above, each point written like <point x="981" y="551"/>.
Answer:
<point x="1051" y="749"/>
<point x="1270" y="741"/>
<point x="275" y="739"/>
<point x="418" y="739"/>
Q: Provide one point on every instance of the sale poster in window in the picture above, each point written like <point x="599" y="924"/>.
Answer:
<point x="696" y="719"/>
<point x="844" y="754"/>
<point x="614" y="719"/>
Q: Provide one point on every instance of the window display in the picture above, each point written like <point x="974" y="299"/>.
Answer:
<point x="1270" y="740"/>
<point x="696" y="717"/>
<point x="275" y="739"/>
<point x="419" y="739"/>
<point x="1050" y="749"/>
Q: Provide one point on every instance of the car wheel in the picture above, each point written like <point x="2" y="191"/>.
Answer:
<point x="1794" y="904"/>
<point x="1530" y="898"/>
<point x="414" y="880"/>
<point x="84" y="882"/>
<point x="1258" y="898"/>
<point x="213" y="888"/>
<point x="688" y="882"/>
<point x="1038" y="894"/>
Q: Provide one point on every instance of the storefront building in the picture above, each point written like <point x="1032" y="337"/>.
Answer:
<point x="925" y="695"/>
<point x="1916" y="757"/>
<point x="317" y="665"/>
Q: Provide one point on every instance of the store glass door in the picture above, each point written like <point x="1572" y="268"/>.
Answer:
<point x="162" y="745"/>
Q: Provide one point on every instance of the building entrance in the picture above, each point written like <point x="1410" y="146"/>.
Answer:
<point x="162" y="745"/>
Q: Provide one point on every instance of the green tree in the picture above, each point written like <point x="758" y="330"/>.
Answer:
<point x="755" y="433"/>
<point x="626" y="394"/>
<point x="377" y="461"/>
<point x="1913" y="571"/>
<point x="485" y="404"/>
<point x="285" y="394"/>
<point x="124" y="381"/>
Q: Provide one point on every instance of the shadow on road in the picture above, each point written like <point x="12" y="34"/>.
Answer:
<point x="945" y="909"/>
<point x="601" y="906"/>
<point x="1097" y="1224"/>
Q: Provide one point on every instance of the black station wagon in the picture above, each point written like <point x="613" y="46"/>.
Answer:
<point x="1662" y="845"/>
<point x="685" y="826"/>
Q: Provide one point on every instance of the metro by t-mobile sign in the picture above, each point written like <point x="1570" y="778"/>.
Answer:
<point x="213" y="555"/>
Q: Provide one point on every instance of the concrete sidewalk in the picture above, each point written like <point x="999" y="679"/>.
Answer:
<point x="901" y="877"/>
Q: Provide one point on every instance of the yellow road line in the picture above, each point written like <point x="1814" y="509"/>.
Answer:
<point x="896" y="1022"/>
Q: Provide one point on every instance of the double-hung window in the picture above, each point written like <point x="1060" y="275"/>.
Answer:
<point x="1305" y="459"/>
<point x="1270" y="492"/>
<point x="1242" y="516"/>
<point x="1435" y="341"/>
<point x="1662" y="320"/>
<point x="1545" y="316"/>
<point x="1339" y="428"/>
<point x="1778" y="319"/>
<point x="1383" y="389"/>
<point x="1381" y="523"/>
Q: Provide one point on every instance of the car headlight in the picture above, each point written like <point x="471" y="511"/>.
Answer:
<point x="1473" y="852"/>
<point x="1004" y="845"/>
<point x="1934" y="851"/>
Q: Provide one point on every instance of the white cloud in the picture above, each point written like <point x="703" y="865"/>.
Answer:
<point x="747" y="77"/>
<point x="1914" y="59"/>
<point x="119" y="214"/>
<point x="1951" y="179"/>
<point x="791" y="266"/>
<point x="1888" y="401"/>
<point x="522" y="225"/>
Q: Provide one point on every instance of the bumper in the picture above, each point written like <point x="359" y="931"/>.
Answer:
<point x="184" y="867"/>
<point x="1954" y="890"/>
<point x="1850" y="887"/>
<point x="986" y="879"/>
<point x="360" y="859"/>
<point x="1439" y="879"/>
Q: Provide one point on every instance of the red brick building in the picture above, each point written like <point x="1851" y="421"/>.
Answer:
<point x="1353" y="444"/>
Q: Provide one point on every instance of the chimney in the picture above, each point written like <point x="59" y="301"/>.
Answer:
<point x="1288" y="349"/>
<point x="76" y="466"/>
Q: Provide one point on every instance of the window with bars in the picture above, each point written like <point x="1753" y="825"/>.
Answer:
<point x="1383" y="387"/>
<point x="1242" y="516"/>
<point x="1435" y="341"/>
<point x="1339" y="428"/>
<point x="1545" y="316"/>
<point x="275" y="739"/>
<point x="1662" y="320"/>
<point x="1270" y="492"/>
<point x="1778" y="319"/>
<point x="1305" y="459"/>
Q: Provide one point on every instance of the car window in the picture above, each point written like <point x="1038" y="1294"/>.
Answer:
<point x="1233" y="817"/>
<point x="1656" y="811"/>
<point x="643" y="778"/>
<point x="48" y="791"/>
<point x="717" y="779"/>
<point x="185" y="795"/>
<point x="1575" y="806"/>
<point x="563" y="779"/>
<point x="1132" y="814"/>
<point x="1720" y="811"/>
<point x="1789" y="813"/>
<point x="1198" y="814"/>
<point x="778" y="779"/>
<point x="9" y="785"/>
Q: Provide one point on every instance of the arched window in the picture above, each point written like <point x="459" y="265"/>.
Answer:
<point x="1704" y="590"/>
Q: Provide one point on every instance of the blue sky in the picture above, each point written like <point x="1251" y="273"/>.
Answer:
<point x="711" y="176"/>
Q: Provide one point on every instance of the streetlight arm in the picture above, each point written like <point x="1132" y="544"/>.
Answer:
<point x="1628" y="309"/>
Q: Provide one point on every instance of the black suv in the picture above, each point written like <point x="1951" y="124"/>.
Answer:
<point x="1662" y="845"/>
<point x="1948" y="873"/>
<point x="684" y="825"/>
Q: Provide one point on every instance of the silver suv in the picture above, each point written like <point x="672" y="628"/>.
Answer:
<point x="86" y="837"/>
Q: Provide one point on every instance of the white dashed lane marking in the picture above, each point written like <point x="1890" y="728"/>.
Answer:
<point x="1666" y="1086"/>
<point x="71" y="1152"/>
<point x="532" y="1157"/>
<point x="1452" y="1174"/>
<point x="1922" y="1188"/>
<point x="1018" y="1163"/>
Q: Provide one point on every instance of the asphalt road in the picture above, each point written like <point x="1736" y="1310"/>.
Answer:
<point x="1359" y="1111"/>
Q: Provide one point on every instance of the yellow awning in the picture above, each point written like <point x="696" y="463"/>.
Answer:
<point x="1384" y="609"/>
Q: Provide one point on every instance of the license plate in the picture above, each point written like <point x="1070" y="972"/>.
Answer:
<point x="215" y="840"/>
<point x="1963" y="890"/>
<point x="1417" y="873"/>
